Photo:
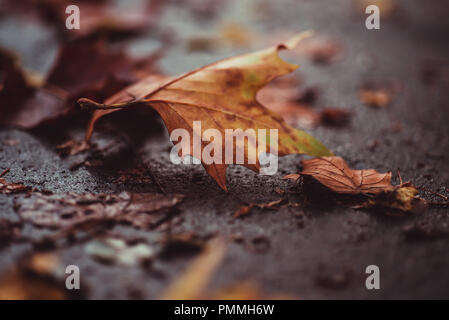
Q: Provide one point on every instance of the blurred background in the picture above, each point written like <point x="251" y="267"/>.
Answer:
<point x="378" y="98"/>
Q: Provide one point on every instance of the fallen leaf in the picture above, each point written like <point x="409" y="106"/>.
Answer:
<point x="245" y="210"/>
<point x="293" y="176"/>
<point x="13" y="81"/>
<point x="335" y="116"/>
<point x="44" y="105"/>
<point x="11" y="187"/>
<point x="97" y="18"/>
<point x="192" y="284"/>
<point x="97" y="63"/>
<point x="104" y="73"/>
<point x="21" y="103"/>
<point x="230" y="101"/>
<point x="19" y="286"/>
<point x="34" y="277"/>
<point x="44" y="263"/>
<point x="14" y="86"/>
<point x="334" y="173"/>
<point x="378" y="98"/>
<point x="109" y="21"/>
<point x="321" y="49"/>
<point x="67" y="210"/>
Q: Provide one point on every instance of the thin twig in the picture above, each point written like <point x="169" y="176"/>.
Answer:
<point x="400" y="178"/>
<point x="4" y="172"/>
<point x="435" y="193"/>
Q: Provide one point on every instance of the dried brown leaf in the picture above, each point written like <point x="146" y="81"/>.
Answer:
<point x="11" y="187"/>
<point x="292" y="176"/>
<point x="334" y="173"/>
<point x="82" y="68"/>
<point x="335" y="116"/>
<point x="379" y="98"/>
<point x="98" y="18"/>
<point x="68" y="210"/>
<point x="245" y="210"/>
<point x="231" y="102"/>
<point x="21" y="103"/>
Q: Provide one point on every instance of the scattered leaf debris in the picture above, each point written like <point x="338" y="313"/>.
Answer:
<point x="143" y="210"/>
<point x="11" y="187"/>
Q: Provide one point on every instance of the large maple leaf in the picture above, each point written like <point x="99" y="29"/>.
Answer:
<point x="221" y="95"/>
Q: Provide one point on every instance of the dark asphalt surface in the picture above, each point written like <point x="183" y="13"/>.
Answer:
<point x="328" y="241"/>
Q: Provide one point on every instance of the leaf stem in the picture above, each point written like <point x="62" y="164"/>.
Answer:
<point x="88" y="104"/>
